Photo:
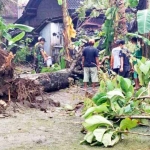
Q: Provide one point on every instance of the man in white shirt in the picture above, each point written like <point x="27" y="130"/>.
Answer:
<point x="115" y="59"/>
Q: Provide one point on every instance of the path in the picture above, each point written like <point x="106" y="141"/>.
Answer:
<point x="56" y="130"/>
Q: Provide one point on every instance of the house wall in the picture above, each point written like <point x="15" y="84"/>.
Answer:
<point x="47" y="35"/>
<point x="53" y="35"/>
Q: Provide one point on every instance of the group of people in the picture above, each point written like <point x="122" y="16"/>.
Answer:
<point x="119" y="61"/>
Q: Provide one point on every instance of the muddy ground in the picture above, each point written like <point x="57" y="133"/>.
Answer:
<point x="31" y="129"/>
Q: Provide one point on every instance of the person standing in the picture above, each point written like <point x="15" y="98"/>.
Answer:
<point x="40" y="55"/>
<point x="115" y="58"/>
<point x="90" y="64"/>
<point x="124" y="60"/>
<point x="138" y="55"/>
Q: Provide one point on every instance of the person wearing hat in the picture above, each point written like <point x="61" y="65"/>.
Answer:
<point x="90" y="64"/>
<point x="40" y="55"/>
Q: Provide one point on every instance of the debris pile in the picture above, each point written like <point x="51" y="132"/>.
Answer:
<point x="11" y="89"/>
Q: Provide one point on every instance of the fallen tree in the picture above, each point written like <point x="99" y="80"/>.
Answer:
<point x="49" y="81"/>
<point x="61" y="79"/>
<point x="26" y="87"/>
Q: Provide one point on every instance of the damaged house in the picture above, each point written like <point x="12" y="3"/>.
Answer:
<point x="46" y="18"/>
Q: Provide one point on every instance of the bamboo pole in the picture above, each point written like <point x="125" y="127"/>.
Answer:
<point x="133" y="117"/>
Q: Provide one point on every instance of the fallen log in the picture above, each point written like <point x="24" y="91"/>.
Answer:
<point x="50" y="81"/>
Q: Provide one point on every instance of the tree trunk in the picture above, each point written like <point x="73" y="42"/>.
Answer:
<point x="50" y="81"/>
<point x="120" y="24"/>
<point x="122" y="21"/>
<point x="66" y="39"/>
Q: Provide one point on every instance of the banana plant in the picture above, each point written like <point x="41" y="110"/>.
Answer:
<point x="4" y="31"/>
<point x="143" y="19"/>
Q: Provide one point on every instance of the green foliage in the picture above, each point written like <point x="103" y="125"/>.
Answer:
<point x="132" y="3"/>
<point x="22" y="27"/>
<point x="96" y="109"/>
<point x="145" y="40"/>
<point x="96" y="121"/>
<point x="100" y="131"/>
<point x="88" y="103"/>
<point x="21" y="55"/>
<point x="62" y="63"/>
<point x="143" y="70"/>
<point x="96" y="6"/>
<point x="143" y="21"/>
<point x="119" y="101"/>
<point x="4" y="31"/>
<point x="99" y="7"/>
<point x="59" y="2"/>
<point x="53" y="68"/>
<point x="17" y="38"/>
<point x="128" y="124"/>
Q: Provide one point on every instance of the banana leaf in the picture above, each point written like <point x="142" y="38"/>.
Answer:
<point x="143" y="19"/>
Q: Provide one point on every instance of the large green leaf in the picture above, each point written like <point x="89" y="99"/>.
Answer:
<point x="116" y="139"/>
<point x="144" y="68"/>
<point x="127" y="124"/>
<point x="89" y="137"/>
<point x="88" y="112"/>
<point x="23" y="27"/>
<point x="6" y="35"/>
<point x="116" y="92"/>
<point x="98" y="96"/>
<point x="143" y="19"/>
<point x="98" y="109"/>
<point x="140" y="74"/>
<point x="95" y="121"/>
<point x="125" y="84"/>
<point x="110" y="85"/>
<point x="98" y="133"/>
<point x="147" y="63"/>
<point x="102" y="100"/>
<point x="141" y="91"/>
<point x="107" y="138"/>
<point x="17" y="38"/>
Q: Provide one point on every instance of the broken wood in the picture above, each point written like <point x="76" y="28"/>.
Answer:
<point x="133" y="117"/>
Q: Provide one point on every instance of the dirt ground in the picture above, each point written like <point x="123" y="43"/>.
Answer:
<point x="32" y="129"/>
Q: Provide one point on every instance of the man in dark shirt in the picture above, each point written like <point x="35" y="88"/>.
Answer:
<point x="124" y="60"/>
<point x="90" y="63"/>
